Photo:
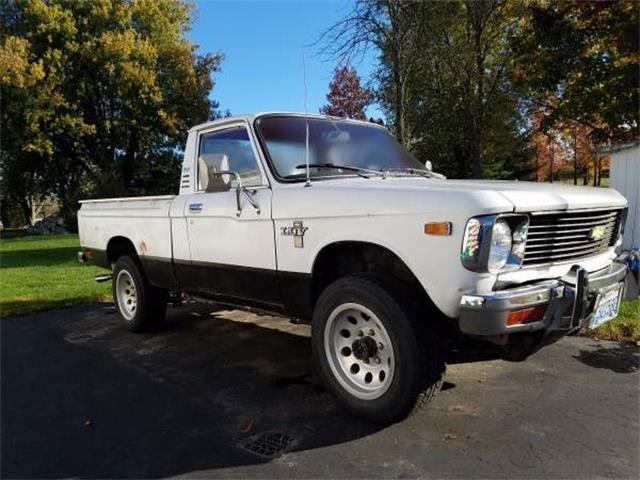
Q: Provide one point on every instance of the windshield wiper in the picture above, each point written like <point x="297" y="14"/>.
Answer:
<point x="415" y="171"/>
<point x="359" y="171"/>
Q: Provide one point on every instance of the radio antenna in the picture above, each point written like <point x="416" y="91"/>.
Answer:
<point x="306" y="120"/>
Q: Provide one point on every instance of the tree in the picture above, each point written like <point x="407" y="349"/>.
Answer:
<point x="346" y="96"/>
<point x="563" y="148"/>
<point x="468" y="116"/>
<point x="585" y="55"/>
<point x="579" y="139"/>
<point x="443" y="79"/>
<point x="550" y="151"/>
<point x="97" y="97"/>
<point x="388" y="27"/>
<point x="457" y="80"/>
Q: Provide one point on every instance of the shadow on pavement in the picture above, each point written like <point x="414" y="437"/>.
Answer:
<point x="623" y="358"/>
<point x="81" y="397"/>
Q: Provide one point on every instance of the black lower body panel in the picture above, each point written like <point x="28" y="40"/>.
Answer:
<point x="257" y="284"/>
<point x="272" y="290"/>
<point x="285" y="292"/>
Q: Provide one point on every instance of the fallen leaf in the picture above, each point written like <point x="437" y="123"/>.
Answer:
<point x="246" y="427"/>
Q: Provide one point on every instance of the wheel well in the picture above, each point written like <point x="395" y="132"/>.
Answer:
<point x="119" y="246"/>
<point x="343" y="258"/>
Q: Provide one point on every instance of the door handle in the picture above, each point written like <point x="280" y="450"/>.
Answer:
<point x="195" y="207"/>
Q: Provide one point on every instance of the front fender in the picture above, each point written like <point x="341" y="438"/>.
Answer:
<point x="433" y="260"/>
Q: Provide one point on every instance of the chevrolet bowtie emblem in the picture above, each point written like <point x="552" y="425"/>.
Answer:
<point x="297" y="231"/>
<point x="598" y="232"/>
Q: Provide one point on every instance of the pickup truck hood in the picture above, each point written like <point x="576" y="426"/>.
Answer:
<point x="533" y="196"/>
<point x="524" y="196"/>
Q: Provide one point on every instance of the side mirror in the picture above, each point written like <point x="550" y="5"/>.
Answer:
<point x="214" y="176"/>
<point x="240" y="190"/>
<point x="429" y="165"/>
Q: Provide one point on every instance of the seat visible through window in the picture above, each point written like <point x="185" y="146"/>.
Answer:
<point x="228" y="149"/>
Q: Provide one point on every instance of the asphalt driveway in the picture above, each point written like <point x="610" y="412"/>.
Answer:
<point x="230" y="394"/>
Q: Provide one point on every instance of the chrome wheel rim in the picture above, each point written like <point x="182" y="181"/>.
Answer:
<point x="126" y="294"/>
<point x="359" y="351"/>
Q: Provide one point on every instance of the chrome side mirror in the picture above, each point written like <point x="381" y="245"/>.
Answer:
<point x="429" y="165"/>
<point x="248" y="195"/>
<point x="240" y="190"/>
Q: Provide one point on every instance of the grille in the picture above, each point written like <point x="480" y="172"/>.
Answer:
<point x="565" y="236"/>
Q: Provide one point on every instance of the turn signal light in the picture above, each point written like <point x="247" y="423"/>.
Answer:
<point x="437" y="228"/>
<point x="526" y="315"/>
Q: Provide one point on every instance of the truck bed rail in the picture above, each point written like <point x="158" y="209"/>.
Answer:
<point x="128" y="199"/>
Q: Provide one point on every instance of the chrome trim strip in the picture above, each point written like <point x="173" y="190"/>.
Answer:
<point x="577" y="210"/>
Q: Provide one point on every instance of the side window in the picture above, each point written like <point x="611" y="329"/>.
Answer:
<point x="228" y="149"/>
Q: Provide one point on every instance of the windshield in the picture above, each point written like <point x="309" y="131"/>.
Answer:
<point x="332" y="143"/>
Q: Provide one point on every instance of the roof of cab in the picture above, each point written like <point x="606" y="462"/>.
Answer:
<point x="250" y="117"/>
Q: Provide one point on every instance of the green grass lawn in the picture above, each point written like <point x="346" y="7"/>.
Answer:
<point x="41" y="272"/>
<point x="625" y="327"/>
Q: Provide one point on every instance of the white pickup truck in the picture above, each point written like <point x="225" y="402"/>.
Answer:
<point x="397" y="269"/>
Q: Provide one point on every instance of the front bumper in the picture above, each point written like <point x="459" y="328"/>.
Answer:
<point x="567" y="303"/>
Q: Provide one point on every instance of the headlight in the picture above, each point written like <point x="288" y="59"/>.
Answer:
<point x="520" y="233"/>
<point x="500" y="246"/>
<point x="495" y="243"/>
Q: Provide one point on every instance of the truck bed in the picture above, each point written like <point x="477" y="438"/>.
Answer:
<point x="143" y="220"/>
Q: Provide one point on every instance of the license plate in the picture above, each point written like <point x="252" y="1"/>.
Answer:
<point x="607" y="306"/>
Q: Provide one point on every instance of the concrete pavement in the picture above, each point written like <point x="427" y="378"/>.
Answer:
<point x="229" y="394"/>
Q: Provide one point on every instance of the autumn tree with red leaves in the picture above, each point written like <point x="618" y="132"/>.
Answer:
<point x="346" y="97"/>
<point x="549" y="150"/>
<point x="563" y="149"/>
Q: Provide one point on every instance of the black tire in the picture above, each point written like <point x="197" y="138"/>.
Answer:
<point x="150" y="302"/>
<point x="419" y="356"/>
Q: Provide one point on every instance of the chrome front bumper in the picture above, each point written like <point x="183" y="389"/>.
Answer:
<point x="569" y="303"/>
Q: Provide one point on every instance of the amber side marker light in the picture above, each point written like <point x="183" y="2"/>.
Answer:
<point x="526" y="315"/>
<point x="437" y="228"/>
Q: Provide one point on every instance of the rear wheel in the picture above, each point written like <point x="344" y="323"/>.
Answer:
<point x="373" y="351"/>
<point x="140" y="304"/>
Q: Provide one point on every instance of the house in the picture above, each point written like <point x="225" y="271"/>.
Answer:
<point x="625" y="177"/>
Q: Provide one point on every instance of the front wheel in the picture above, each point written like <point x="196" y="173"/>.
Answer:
<point x="373" y="351"/>
<point x="140" y="304"/>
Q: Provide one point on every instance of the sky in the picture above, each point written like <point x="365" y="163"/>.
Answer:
<point x="263" y="44"/>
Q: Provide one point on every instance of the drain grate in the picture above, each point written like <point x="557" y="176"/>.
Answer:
<point x="80" y="337"/>
<point x="269" y="445"/>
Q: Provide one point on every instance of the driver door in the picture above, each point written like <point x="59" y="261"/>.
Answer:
<point x="232" y="250"/>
